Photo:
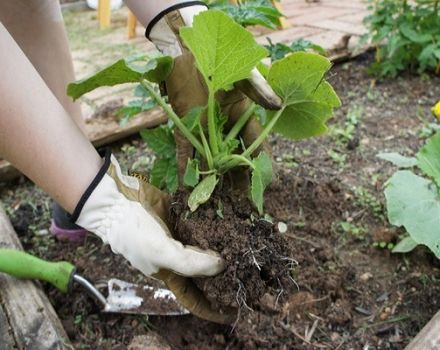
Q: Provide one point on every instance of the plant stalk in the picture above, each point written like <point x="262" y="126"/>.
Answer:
<point x="175" y="118"/>
<point x="209" y="158"/>
<point x="240" y="123"/>
<point x="212" y="127"/>
<point x="260" y="139"/>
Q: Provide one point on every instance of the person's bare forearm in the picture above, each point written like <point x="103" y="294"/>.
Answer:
<point x="37" y="27"/>
<point x="36" y="133"/>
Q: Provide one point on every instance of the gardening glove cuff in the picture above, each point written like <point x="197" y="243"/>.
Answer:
<point x="163" y="31"/>
<point x="114" y="207"/>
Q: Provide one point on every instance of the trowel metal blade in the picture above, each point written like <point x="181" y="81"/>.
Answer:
<point x="125" y="297"/>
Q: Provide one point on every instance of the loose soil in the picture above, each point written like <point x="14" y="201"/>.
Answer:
<point x="348" y="293"/>
<point x="257" y="259"/>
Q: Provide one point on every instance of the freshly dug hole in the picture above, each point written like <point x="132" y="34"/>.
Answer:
<point x="258" y="260"/>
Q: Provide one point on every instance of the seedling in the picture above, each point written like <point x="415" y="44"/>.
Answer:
<point x="413" y="201"/>
<point x="225" y="53"/>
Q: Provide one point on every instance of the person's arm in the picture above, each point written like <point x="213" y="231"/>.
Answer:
<point x="36" y="133"/>
<point x="40" y="139"/>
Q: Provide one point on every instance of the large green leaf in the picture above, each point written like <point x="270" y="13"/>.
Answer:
<point x="428" y="158"/>
<point x="123" y="71"/>
<point x="308" y="99"/>
<point x="224" y="51"/>
<point x="261" y="178"/>
<point x="414" y="202"/>
<point x="397" y="159"/>
<point x="405" y="245"/>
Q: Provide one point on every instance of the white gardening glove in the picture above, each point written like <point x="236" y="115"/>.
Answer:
<point x="123" y="211"/>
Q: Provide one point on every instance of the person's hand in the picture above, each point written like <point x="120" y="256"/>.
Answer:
<point x="127" y="213"/>
<point x="185" y="86"/>
<point x="131" y="216"/>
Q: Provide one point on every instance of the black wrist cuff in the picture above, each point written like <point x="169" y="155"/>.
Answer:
<point x="105" y="153"/>
<point x="168" y="10"/>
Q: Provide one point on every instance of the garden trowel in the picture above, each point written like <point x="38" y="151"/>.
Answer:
<point x="123" y="297"/>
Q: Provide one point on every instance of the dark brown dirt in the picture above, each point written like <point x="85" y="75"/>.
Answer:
<point x="352" y="294"/>
<point x="257" y="257"/>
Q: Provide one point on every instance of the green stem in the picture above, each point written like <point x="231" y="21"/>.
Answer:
<point x="240" y="123"/>
<point x="264" y="134"/>
<point x="209" y="158"/>
<point x="212" y="132"/>
<point x="234" y="160"/>
<point x="175" y="118"/>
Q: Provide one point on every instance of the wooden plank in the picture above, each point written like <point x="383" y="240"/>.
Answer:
<point x="429" y="337"/>
<point x="101" y="133"/>
<point x="104" y="13"/>
<point x="32" y="318"/>
<point x="7" y="340"/>
<point x="109" y="130"/>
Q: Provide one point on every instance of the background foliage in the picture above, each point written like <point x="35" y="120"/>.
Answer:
<point x="407" y="35"/>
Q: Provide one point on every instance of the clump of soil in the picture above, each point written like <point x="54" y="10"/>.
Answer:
<point x="258" y="261"/>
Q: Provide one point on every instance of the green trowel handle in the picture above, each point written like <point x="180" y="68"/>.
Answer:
<point x="22" y="265"/>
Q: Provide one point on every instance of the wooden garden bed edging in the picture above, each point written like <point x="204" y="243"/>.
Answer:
<point x="429" y="337"/>
<point x="24" y="308"/>
<point x="103" y="133"/>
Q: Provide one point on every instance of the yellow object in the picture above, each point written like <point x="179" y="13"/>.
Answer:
<point x="131" y="25"/>
<point x="104" y="13"/>
<point x="436" y="109"/>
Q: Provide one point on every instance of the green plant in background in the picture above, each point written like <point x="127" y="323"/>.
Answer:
<point x="413" y="201"/>
<point x="249" y="12"/>
<point x="407" y="35"/>
<point x="225" y="54"/>
<point x="279" y="50"/>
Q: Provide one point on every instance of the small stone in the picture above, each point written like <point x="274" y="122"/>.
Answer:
<point x="366" y="276"/>
<point x="42" y="232"/>
<point x="335" y="337"/>
<point x="282" y="227"/>
<point x="149" y="341"/>
<point x="383" y="316"/>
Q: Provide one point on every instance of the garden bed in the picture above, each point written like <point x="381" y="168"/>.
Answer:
<point x="329" y="194"/>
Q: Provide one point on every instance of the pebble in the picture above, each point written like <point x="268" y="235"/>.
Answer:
<point x="282" y="227"/>
<point x="366" y="276"/>
<point x="335" y="337"/>
<point x="42" y="232"/>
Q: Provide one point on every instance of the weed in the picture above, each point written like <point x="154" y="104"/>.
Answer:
<point x="367" y="199"/>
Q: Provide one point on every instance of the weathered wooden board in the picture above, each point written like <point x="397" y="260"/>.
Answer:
<point x="429" y="337"/>
<point x="29" y="313"/>
<point x="103" y="132"/>
<point x="7" y="341"/>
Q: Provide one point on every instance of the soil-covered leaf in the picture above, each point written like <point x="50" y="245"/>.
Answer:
<point x="414" y="202"/>
<point x="261" y="178"/>
<point x="202" y="192"/>
<point x="398" y="160"/>
<point x="308" y="99"/>
<point x="224" y="55"/>
<point x="428" y="158"/>
<point x="123" y="71"/>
